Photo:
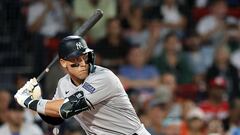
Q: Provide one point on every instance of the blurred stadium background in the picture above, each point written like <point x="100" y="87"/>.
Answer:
<point x="179" y="60"/>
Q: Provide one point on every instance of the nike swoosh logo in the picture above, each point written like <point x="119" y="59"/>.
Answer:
<point x="66" y="92"/>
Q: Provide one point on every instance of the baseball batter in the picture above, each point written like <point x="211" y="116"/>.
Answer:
<point x="93" y="95"/>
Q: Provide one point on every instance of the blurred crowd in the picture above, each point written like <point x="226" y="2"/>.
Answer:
<point x="179" y="60"/>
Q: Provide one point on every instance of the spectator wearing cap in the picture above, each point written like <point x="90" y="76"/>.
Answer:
<point x="215" y="106"/>
<point x="223" y="67"/>
<point x="158" y="111"/>
<point x="194" y="123"/>
<point x="16" y="125"/>
<point x="172" y="111"/>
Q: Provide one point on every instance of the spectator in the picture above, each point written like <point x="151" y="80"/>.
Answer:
<point x="234" y="123"/>
<point x="197" y="55"/>
<point x="135" y="32"/>
<point x="164" y="113"/>
<point x="194" y="123"/>
<point x="49" y="18"/>
<point x="124" y="13"/>
<point x="15" y="124"/>
<point x="216" y="106"/>
<point x="4" y="101"/>
<point x="223" y="67"/>
<point x="155" y="115"/>
<point x="215" y="126"/>
<point x="173" y="110"/>
<point x="173" y="17"/>
<point x="200" y="59"/>
<point x="113" y="48"/>
<point x="137" y="75"/>
<point x="233" y="33"/>
<point x="48" y="21"/>
<point x="89" y="6"/>
<point x="169" y="80"/>
<point x="211" y="28"/>
<point x="172" y="60"/>
<point x="158" y="111"/>
<point x="152" y="38"/>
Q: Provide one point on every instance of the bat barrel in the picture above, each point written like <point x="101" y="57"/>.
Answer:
<point x="89" y="24"/>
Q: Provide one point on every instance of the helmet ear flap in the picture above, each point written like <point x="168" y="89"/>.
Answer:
<point x="91" y="58"/>
<point x="91" y="61"/>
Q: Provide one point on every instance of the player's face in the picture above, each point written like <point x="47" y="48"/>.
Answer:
<point x="78" y="67"/>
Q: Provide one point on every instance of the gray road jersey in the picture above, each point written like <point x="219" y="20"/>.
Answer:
<point x="113" y="113"/>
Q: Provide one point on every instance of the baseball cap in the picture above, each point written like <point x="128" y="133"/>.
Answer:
<point x="218" y="82"/>
<point x="162" y="95"/>
<point x="195" y="113"/>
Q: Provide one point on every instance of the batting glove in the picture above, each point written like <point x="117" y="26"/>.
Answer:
<point x="35" y="89"/>
<point x="30" y="91"/>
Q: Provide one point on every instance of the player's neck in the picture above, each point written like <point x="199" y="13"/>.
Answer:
<point x="76" y="81"/>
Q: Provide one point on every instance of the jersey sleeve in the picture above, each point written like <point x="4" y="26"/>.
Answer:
<point x="104" y="86"/>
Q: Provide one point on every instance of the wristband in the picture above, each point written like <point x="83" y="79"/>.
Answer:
<point x="37" y="105"/>
<point x="41" y="106"/>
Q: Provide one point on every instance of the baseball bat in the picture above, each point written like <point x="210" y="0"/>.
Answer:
<point x="83" y="29"/>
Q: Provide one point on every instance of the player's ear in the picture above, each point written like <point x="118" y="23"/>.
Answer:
<point x="63" y="63"/>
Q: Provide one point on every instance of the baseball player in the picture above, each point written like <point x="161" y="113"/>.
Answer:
<point x="93" y="95"/>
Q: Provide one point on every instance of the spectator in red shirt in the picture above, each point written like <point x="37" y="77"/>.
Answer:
<point x="216" y="106"/>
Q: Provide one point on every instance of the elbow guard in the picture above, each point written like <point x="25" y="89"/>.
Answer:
<point x="74" y="104"/>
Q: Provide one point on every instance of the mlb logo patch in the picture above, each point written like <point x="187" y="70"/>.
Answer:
<point x="88" y="87"/>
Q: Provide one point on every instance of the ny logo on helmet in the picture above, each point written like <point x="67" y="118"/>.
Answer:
<point x="79" y="45"/>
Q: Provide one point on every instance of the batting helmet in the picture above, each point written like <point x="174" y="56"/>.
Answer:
<point x="74" y="46"/>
